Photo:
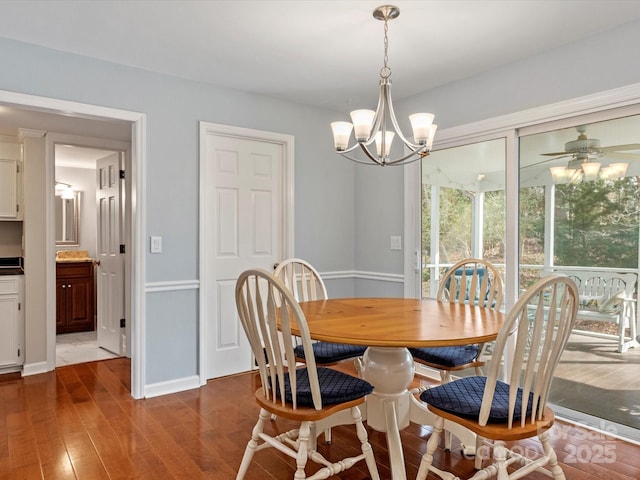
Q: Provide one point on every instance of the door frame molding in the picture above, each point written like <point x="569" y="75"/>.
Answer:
<point x="287" y="142"/>
<point x="137" y="221"/>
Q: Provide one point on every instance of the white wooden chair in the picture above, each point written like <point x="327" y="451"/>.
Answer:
<point x="473" y="281"/>
<point x="497" y="412"/>
<point x="316" y="397"/>
<point x="306" y="284"/>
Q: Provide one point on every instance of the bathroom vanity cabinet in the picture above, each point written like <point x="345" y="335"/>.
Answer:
<point x="75" y="302"/>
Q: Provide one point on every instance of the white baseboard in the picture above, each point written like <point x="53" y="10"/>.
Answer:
<point x="172" y="386"/>
<point x="34" y="368"/>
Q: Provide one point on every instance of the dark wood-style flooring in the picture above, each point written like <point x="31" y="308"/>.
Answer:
<point x="81" y="422"/>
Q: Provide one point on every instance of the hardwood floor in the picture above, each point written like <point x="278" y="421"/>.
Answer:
<point x="81" y="422"/>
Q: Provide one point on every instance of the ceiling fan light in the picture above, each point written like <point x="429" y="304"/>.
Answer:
<point x="590" y="170"/>
<point x="619" y="169"/>
<point x="607" y="172"/>
<point x="573" y="175"/>
<point x="558" y="174"/>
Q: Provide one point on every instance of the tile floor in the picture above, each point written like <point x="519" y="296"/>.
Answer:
<point x="80" y="347"/>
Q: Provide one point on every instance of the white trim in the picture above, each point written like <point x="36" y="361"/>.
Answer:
<point x="154" y="287"/>
<point x="412" y="237"/>
<point x="288" y="232"/>
<point x="138" y="215"/>
<point x="597" y="424"/>
<point x="609" y="99"/>
<point x="35" y="368"/>
<point x="359" y="274"/>
<point x="171" y="386"/>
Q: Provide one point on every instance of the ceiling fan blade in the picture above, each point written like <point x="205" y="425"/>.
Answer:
<point x="623" y="156"/>
<point x="555" y="154"/>
<point x="617" y="148"/>
<point x="546" y="160"/>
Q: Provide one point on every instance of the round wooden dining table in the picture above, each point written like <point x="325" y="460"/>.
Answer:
<point x="388" y="326"/>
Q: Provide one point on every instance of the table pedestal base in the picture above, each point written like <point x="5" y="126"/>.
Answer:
<point x="391" y="407"/>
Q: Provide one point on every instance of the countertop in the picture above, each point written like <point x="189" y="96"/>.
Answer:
<point x="12" y="271"/>
<point x="65" y="256"/>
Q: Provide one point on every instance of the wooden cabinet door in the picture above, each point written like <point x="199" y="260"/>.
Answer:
<point x="61" y="304"/>
<point x="8" y="189"/>
<point x="75" y="304"/>
<point x="80" y="304"/>
<point x="9" y="324"/>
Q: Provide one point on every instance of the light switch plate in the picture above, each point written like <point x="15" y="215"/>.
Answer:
<point x="396" y="242"/>
<point x="156" y="244"/>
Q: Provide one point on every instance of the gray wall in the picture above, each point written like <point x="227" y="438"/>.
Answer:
<point x="324" y="198"/>
<point x="35" y="246"/>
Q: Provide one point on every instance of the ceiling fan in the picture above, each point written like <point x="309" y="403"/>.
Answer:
<point x="585" y="153"/>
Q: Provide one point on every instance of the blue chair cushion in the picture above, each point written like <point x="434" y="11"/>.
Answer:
<point x="327" y="352"/>
<point x="457" y="277"/>
<point x="464" y="397"/>
<point x="446" y="356"/>
<point x="335" y="387"/>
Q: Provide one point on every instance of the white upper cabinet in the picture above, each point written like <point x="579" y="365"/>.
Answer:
<point x="10" y="181"/>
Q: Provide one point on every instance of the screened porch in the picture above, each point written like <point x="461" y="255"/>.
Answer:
<point x="578" y="190"/>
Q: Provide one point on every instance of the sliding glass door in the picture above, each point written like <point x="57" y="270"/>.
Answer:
<point x="463" y="208"/>
<point x="543" y="196"/>
<point x="580" y="215"/>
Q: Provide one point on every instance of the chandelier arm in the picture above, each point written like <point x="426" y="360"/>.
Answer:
<point x="407" y="158"/>
<point x="350" y="149"/>
<point x="394" y="121"/>
<point x="377" y="118"/>
<point x="363" y="162"/>
<point x="380" y="161"/>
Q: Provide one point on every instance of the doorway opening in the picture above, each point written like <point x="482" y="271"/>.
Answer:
<point x="35" y="116"/>
<point x="80" y="275"/>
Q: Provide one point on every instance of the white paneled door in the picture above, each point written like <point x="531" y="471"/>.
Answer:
<point x="110" y="279"/>
<point x="244" y="219"/>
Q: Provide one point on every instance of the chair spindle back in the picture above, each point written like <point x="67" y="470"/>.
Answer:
<point x="541" y="321"/>
<point x="302" y="279"/>
<point x="266" y="307"/>
<point x="474" y="281"/>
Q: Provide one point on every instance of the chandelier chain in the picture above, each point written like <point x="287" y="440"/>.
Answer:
<point x="385" y="71"/>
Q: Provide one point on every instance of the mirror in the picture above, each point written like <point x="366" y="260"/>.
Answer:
<point x="67" y="220"/>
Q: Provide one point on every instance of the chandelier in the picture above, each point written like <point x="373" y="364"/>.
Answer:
<point x="373" y="126"/>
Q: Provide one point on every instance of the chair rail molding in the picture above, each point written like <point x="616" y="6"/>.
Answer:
<point x="364" y="275"/>
<point x="171" y="286"/>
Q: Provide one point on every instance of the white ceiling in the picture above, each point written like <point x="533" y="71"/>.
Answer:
<point x="78" y="157"/>
<point x="319" y="52"/>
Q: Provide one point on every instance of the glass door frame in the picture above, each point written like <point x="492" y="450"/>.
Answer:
<point x="597" y="107"/>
